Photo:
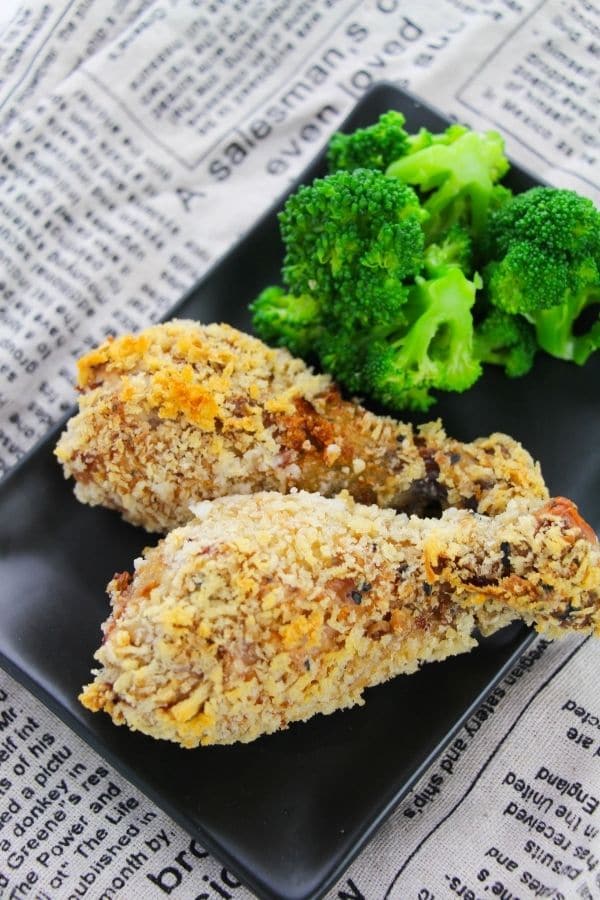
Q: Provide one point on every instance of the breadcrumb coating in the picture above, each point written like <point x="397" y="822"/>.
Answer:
<point x="268" y="609"/>
<point x="184" y="412"/>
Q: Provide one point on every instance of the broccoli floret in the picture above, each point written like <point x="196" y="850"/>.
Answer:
<point x="455" y="248"/>
<point x="456" y="173"/>
<point x="543" y="249"/>
<point x="508" y="341"/>
<point x="425" y="138"/>
<point x="351" y="240"/>
<point x="499" y="196"/>
<point x="391" y="318"/>
<point x="287" y="320"/>
<point x="380" y="281"/>
<point x="342" y="354"/>
<point x="374" y="147"/>
<point x="434" y="350"/>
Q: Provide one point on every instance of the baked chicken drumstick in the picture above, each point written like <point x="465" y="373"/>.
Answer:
<point x="270" y="608"/>
<point x="183" y="412"/>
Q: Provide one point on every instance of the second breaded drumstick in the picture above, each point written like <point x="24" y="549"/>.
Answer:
<point x="184" y="412"/>
<point x="268" y="609"/>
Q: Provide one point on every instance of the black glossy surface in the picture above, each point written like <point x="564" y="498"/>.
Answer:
<point x="288" y="812"/>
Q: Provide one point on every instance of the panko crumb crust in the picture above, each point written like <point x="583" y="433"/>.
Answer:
<point x="184" y="412"/>
<point x="267" y="609"/>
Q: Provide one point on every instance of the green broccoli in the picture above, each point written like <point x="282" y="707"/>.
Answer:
<point x="287" y="320"/>
<point x="433" y="350"/>
<point x="430" y="347"/>
<point x="374" y="147"/>
<point x="351" y="240"/>
<point x="342" y="354"/>
<point x="505" y="340"/>
<point x="455" y="247"/>
<point x="499" y="196"/>
<point x="543" y="251"/>
<point x="381" y="259"/>
<point x="383" y="313"/>
<point x="456" y="173"/>
<point x="425" y="138"/>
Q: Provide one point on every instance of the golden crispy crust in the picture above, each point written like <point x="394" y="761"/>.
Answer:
<point x="184" y="412"/>
<point x="267" y="609"/>
<point x="544" y="567"/>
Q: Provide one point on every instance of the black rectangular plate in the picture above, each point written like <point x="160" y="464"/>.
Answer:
<point x="287" y="813"/>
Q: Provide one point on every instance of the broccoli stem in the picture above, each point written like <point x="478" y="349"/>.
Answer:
<point x="439" y="343"/>
<point x="554" y="329"/>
